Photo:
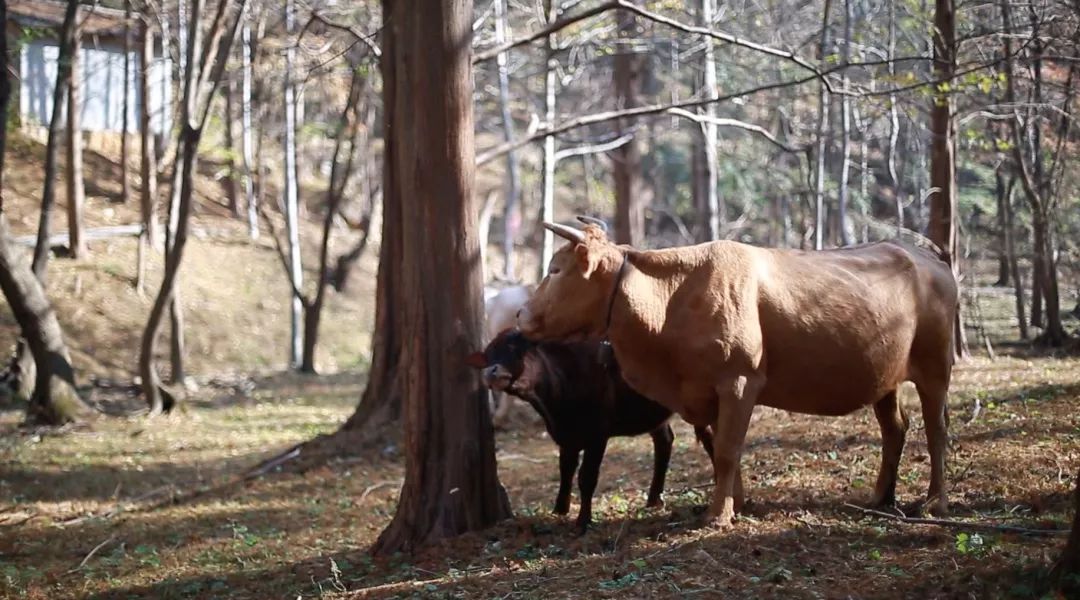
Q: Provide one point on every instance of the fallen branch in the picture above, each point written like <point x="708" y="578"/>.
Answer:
<point x="954" y="524"/>
<point x="91" y="555"/>
<point x="379" y="486"/>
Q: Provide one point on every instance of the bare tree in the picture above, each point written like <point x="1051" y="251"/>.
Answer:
<point x="53" y="399"/>
<point x="245" y="126"/>
<point x="290" y="201"/>
<point x="52" y="148"/>
<point x="449" y="487"/>
<point x="511" y="217"/>
<point x="200" y="81"/>
<point x="843" y="222"/>
<point x="125" y="109"/>
<point x="147" y="154"/>
<point x="705" y="187"/>
<point x="547" y="204"/>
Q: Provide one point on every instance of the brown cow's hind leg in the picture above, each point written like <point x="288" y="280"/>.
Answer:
<point x="894" y="426"/>
<point x="934" y="397"/>
<point x="736" y="404"/>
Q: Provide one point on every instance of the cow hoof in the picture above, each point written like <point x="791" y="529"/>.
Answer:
<point x="654" y="503"/>
<point x="723" y="521"/>
<point x="882" y="501"/>
<point x="561" y="509"/>
<point x="581" y="527"/>
<point x="937" y="508"/>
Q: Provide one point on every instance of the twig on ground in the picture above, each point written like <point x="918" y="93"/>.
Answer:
<point x="519" y="457"/>
<point x="91" y="555"/>
<point x="960" y="524"/>
<point x="378" y="486"/>
<point x="272" y="463"/>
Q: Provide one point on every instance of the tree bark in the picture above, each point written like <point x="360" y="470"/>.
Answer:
<point x="451" y="483"/>
<point x="822" y="135"/>
<point x="626" y="167"/>
<point x="291" y="199"/>
<point x="1005" y="193"/>
<point x="75" y="186"/>
<point x="894" y="124"/>
<point x="232" y="183"/>
<point x="125" y="110"/>
<point x="52" y="148"/>
<point x="148" y="156"/>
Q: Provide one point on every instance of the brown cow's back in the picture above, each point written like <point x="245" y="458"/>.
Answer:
<point x="833" y="331"/>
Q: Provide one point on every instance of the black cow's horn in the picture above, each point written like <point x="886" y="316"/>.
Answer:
<point x="574" y="235"/>
<point x="593" y="221"/>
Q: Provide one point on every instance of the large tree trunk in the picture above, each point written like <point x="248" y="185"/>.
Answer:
<point x="52" y="148"/>
<point x="626" y="167"/>
<point x="451" y="482"/>
<point x="125" y="110"/>
<point x="547" y="203"/>
<point x="822" y="135"/>
<point x="75" y="187"/>
<point x="54" y="400"/>
<point x="291" y="200"/>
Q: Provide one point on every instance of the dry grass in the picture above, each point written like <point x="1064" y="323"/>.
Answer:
<point x="306" y="535"/>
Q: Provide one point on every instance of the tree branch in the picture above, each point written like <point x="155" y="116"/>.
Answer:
<point x="562" y="23"/>
<point x="724" y="122"/>
<point x="304" y="300"/>
<point x="368" y="40"/>
<point x="594" y="148"/>
<point x="960" y="524"/>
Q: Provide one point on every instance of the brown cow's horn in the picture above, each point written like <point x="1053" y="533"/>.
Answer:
<point x="593" y="221"/>
<point x="574" y="235"/>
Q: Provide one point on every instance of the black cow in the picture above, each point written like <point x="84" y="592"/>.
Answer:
<point x="583" y="401"/>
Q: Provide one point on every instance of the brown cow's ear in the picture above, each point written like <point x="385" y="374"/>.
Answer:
<point x="586" y="261"/>
<point x="476" y="360"/>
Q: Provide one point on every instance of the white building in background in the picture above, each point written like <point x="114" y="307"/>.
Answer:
<point x="33" y="27"/>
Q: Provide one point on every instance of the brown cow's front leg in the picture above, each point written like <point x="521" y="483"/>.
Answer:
<point x="894" y="426"/>
<point x="568" y="463"/>
<point x="662" y="439"/>
<point x="736" y="400"/>
<point x="705" y="437"/>
<point x="587" y="478"/>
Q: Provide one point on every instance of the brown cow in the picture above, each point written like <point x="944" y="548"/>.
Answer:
<point x="712" y="330"/>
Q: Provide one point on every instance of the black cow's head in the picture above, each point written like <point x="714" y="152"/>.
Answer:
<point x="503" y="361"/>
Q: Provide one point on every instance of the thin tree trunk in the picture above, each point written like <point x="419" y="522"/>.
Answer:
<point x="894" y="124"/>
<point x="1009" y="234"/>
<point x="511" y="216"/>
<point x="1004" y="235"/>
<point x="52" y="147"/>
<point x="339" y="181"/>
<point x="547" y="203"/>
<point x="626" y="168"/>
<point x="822" y="136"/>
<point x="450" y="487"/>
<point x="148" y="157"/>
<point x="943" y="208"/>
<point x="75" y="187"/>
<point x="245" y="124"/>
<point x="125" y="110"/>
<point x="381" y="402"/>
<point x="291" y="198"/>
<point x="846" y="238"/>
<point x="711" y="207"/>
<point x="199" y="78"/>
<point x="232" y="192"/>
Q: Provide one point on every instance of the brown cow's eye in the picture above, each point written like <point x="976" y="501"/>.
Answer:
<point x="553" y="271"/>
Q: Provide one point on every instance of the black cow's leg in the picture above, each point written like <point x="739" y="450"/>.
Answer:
<point x="662" y="439"/>
<point x="590" y="472"/>
<point x="568" y="463"/>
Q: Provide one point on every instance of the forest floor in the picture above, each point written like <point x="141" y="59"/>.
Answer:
<point x="154" y="509"/>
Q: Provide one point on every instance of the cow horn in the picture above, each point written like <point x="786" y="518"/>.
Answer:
<point x="574" y="235"/>
<point x="593" y="221"/>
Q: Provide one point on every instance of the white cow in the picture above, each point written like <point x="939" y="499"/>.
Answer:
<point x="500" y="313"/>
